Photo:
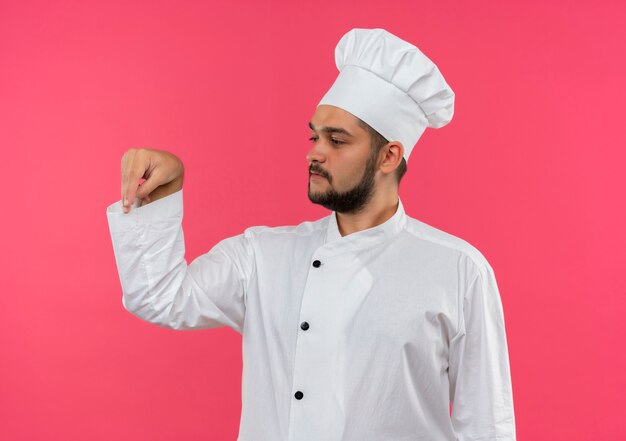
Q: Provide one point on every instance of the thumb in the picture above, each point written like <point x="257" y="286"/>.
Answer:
<point x="147" y="187"/>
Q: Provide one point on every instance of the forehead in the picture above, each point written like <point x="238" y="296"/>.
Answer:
<point x="331" y="116"/>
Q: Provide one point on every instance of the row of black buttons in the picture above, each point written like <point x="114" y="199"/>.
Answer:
<point x="304" y="326"/>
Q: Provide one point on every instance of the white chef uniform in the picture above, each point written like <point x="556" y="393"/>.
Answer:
<point x="366" y="337"/>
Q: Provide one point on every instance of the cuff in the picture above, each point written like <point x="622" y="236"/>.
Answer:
<point x="163" y="209"/>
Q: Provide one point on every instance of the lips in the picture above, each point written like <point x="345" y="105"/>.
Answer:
<point x="313" y="173"/>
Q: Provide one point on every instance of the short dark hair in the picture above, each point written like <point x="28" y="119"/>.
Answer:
<point x="378" y="141"/>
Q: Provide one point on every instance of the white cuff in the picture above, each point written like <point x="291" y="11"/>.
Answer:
<point x="168" y="207"/>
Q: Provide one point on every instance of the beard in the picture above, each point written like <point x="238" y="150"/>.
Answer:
<point x="349" y="201"/>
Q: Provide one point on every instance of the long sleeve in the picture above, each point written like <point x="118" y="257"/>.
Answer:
<point x="480" y="379"/>
<point x="157" y="284"/>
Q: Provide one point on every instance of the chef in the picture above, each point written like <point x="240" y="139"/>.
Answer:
<point x="365" y="325"/>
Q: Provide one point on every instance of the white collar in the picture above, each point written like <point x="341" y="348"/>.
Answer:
<point x="336" y="243"/>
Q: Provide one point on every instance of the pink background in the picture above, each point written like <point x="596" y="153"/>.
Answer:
<point x="529" y="172"/>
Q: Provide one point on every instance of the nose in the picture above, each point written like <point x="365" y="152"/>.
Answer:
<point x="316" y="154"/>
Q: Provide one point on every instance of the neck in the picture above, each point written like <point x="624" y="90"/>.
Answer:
<point x="378" y="210"/>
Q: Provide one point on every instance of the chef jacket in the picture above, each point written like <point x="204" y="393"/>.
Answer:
<point x="364" y="337"/>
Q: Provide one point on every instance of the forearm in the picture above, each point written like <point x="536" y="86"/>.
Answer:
<point x="149" y="251"/>
<point x="159" y="287"/>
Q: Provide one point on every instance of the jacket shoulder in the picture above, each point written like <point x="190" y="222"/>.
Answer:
<point x="306" y="228"/>
<point x="446" y="241"/>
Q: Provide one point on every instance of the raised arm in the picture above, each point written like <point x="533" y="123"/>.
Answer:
<point x="158" y="286"/>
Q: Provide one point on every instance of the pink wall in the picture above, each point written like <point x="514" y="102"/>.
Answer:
<point x="529" y="171"/>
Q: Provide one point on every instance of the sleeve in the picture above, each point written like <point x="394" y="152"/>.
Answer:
<point x="480" y="379"/>
<point x="157" y="284"/>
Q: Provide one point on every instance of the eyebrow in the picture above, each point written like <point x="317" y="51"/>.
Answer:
<point x="331" y="130"/>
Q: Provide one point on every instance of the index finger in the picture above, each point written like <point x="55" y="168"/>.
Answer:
<point x="132" y="171"/>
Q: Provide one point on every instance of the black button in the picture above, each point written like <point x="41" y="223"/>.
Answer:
<point x="304" y="326"/>
<point x="298" y="395"/>
<point x="316" y="263"/>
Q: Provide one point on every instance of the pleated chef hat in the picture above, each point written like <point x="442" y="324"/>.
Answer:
<point x="391" y="85"/>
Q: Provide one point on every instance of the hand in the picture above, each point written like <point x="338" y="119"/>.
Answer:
<point x="163" y="173"/>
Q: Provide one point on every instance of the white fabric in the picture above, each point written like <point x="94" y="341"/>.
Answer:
<point x="403" y="319"/>
<point x="391" y="85"/>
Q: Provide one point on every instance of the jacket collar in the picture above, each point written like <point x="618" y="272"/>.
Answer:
<point x="336" y="243"/>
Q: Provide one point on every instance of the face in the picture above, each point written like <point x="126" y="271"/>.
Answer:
<point x="342" y="167"/>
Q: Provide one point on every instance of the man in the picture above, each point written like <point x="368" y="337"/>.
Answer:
<point x="364" y="325"/>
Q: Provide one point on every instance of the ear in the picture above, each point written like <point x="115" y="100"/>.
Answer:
<point x="392" y="156"/>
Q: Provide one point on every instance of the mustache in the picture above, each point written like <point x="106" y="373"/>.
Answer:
<point x="314" y="168"/>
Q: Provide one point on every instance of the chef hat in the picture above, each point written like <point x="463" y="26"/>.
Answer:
<point x="389" y="84"/>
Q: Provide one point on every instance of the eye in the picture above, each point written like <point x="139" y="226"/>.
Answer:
<point x="336" y="141"/>
<point x="313" y="138"/>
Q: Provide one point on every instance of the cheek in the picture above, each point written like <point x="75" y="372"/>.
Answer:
<point x="347" y="177"/>
<point x="349" y="166"/>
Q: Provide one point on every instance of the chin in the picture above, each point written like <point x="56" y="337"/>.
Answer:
<point x="316" y="196"/>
